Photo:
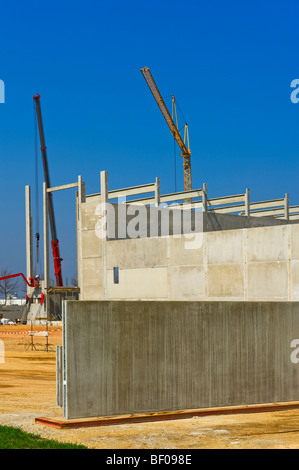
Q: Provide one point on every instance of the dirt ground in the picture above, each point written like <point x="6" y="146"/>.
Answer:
<point x="28" y="390"/>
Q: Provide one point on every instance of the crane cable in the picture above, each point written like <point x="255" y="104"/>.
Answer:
<point x="174" y="158"/>
<point x="174" y="114"/>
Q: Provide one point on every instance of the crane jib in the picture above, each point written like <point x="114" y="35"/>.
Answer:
<point x="160" y="102"/>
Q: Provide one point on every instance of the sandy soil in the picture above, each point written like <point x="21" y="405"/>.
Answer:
<point x="28" y="390"/>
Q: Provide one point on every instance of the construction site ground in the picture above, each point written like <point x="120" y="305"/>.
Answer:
<point x="28" y="391"/>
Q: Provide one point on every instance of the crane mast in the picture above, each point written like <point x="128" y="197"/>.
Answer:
<point x="54" y="240"/>
<point x="186" y="154"/>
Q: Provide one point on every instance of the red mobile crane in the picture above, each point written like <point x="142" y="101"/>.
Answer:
<point x="54" y="239"/>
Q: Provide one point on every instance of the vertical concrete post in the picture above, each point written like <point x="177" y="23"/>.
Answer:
<point x="204" y="198"/>
<point x="104" y="201"/>
<point x="29" y="256"/>
<point x="46" y="237"/>
<point x="81" y="189"/>
<point x="59" y="376"/>
<point x="247" y="202"/>
<point x="157" y="192"/>
<point x="104" y="186"/>
<point x="80" y="198"/>
<point x="286" y="207"/>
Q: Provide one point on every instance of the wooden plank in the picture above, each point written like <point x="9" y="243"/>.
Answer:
<point x="164" y="416"/>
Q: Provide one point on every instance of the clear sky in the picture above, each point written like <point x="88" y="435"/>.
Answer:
<point x="229" y="63"/>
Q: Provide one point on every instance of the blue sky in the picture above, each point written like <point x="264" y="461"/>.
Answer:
<point x="229" y="64"/>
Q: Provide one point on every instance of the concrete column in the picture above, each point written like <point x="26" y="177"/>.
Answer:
<point x="104" y="201"/>
<point x="46" y="237"/>
<point x="286" y="207"/>
<point x="157" y="192"/>
<point x="29" y="255"/>
<point x="104" y="186"/>
<point x="80" y="198"/>
<point x="247" y="202"/>
<point x="204" y="198"/>
<point x="81" y="189"/>
<point x="59" y="376"/>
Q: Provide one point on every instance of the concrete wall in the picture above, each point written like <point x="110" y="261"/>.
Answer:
<point x="89" y="250"/>
<point x="254" y="263"/>
<point x="215" y="221"/>
<point x="247" y="264"/>
<point x="134" y="357"/>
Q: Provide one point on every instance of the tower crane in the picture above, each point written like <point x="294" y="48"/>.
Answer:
<point x="186" y="153"/>
<point x="54" y="239"/>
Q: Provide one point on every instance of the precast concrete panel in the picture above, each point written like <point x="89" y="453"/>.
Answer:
<point x="225" y="280"/>
<point x="295" y="280"/>
<point x="268" y="244"/>
<point x="138" y="284"/>
<point x="137" y="253"/>
<point x="295" y="242"/>
<point x="268" y="281"/>
<point x="91" y="244"/>
<point x="186" y="282"/>
<point x="89" y="213"/>
<point x="225" y="247"/>
<point x="124" y="357"/>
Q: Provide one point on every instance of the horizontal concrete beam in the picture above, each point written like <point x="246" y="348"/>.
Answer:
<point x="293" y="209"/>
<point x="181" y="195"/>
<point x="187" y="206"/>
<point x="169" y="197"/>
<point x="292" y="214"/>
<point x="144" y="201"/>
<point x="265" y="204"/>
<point x="266" y="212"/>
<point x="183" y="206"/>
<point x="217" y="201"/>
<point x="145" y="188"/>
<point x="65" y="186"/>
<point x="229" y="209"/>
